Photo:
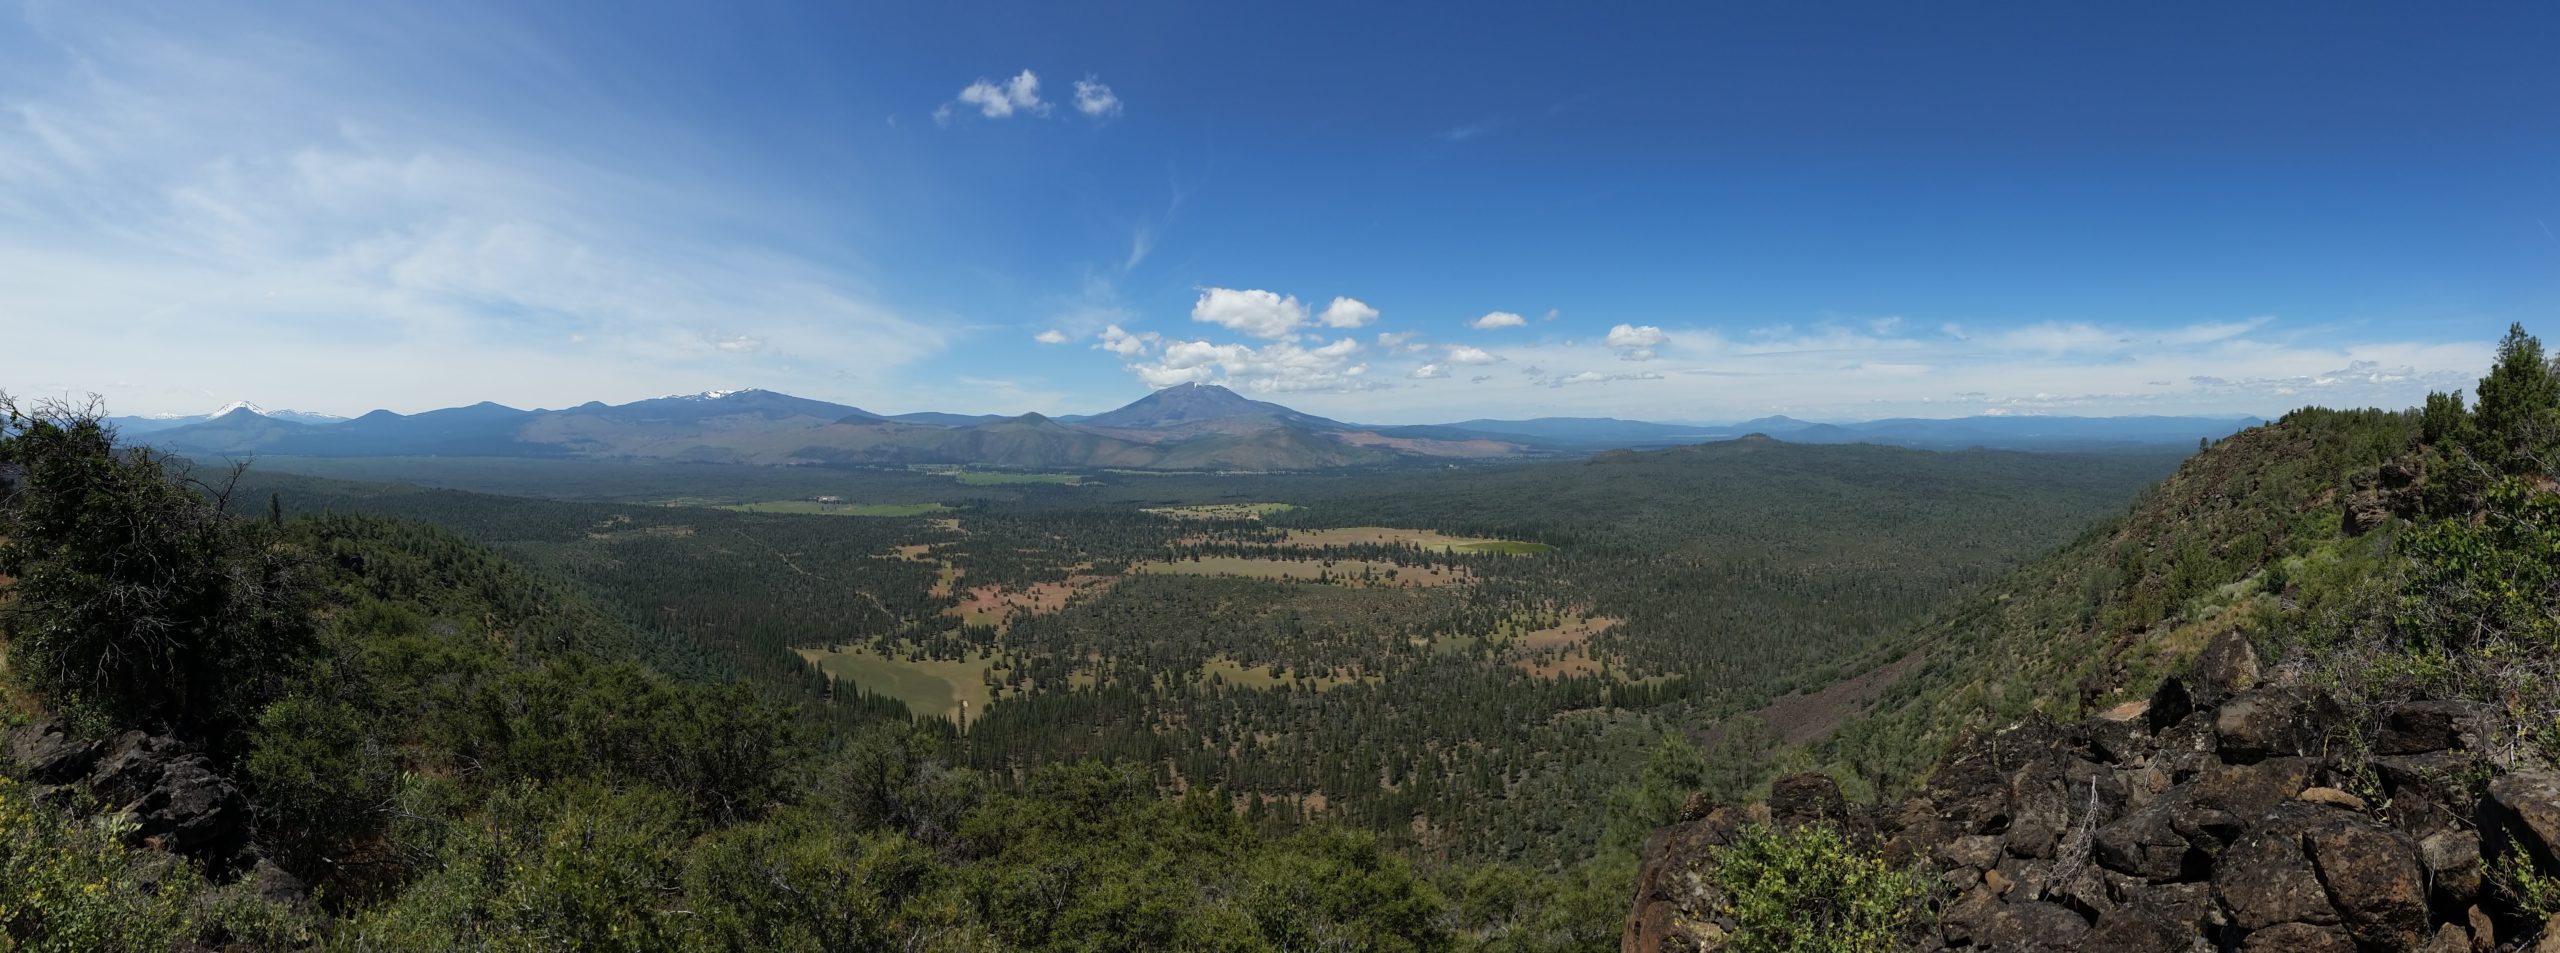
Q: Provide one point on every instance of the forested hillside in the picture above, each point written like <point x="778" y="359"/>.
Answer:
<point x="1467" y="699"/>
<point x="2266" y="531"/>
<point x="1478" y="684"/>
<point x="2299" y="698"/>
<point x="366" y="734"/>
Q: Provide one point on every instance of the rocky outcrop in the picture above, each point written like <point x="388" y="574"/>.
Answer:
<point x="2375" y="496"/>
<point x="2225" y="815"/>
<point x="169" y="792"/>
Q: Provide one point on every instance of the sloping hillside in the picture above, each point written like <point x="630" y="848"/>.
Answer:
<point x="2104" y="618"/>
<point x="2300" y="698"/>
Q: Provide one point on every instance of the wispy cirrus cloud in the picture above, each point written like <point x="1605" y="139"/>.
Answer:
<point x="202" y="200"/>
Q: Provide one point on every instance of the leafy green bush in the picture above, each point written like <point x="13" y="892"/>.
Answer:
<point x="2535" y="895"/>
<point x="1810" y="891"/>
<point x="136" y="594"/>
<point x="70" y="886"/>
<point x="802" y="882"/>
<point x="2497" y="579"/>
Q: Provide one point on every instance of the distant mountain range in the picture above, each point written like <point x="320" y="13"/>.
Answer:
<point x="1186" y="427"/>
<point x="142" y="425"/>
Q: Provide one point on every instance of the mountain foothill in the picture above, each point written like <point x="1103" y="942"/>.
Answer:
<point x="1184" y="427"/>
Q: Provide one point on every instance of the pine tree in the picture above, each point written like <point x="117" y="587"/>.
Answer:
<point x="2518" y="418"/>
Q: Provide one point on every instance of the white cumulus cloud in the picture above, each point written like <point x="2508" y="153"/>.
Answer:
<point x="1348" y="313"/>
<point x="1402" y="342"/>
<point x="1636" y="342"/>
<point x="1051" y="336"/>
<point x="1280" y="367"/>
<point x="1256" y="313"/>
<point x="1125" y="344"/>
<point x="1094" y="98"/>
<point x="1462" y="354"/>
<point x="1000" y="100"/>
<point x="1498" y="319"/>
<point x="1629" y="335"/>
<point x="1429" y="372"/>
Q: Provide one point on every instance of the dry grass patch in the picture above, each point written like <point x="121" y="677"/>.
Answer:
<point x="1559" y="650"/>
<point x="1346" y="572"/>
<point x="1424" y="538"/>
<point x="995" y="605"/>
<point x="1220" y="511"/>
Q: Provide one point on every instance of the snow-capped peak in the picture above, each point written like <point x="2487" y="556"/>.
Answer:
<point x="295" y="416"/>
<point x="711" y="394"/>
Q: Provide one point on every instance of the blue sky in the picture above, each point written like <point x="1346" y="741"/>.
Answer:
<point x="1387" y="213"/>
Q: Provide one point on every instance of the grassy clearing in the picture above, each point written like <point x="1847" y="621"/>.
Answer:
<point x="1557" y="650"/>
<point x="1426" y="539"/>
<point x="995" y="605"/>
<point x="814" y="508"/>
<point x="1571" y="632"/>
<point x="1348" y="572"/>
<point x="1505" y="547"/>
<point x="1221" y="511"/>
<point x="932" y="687"/>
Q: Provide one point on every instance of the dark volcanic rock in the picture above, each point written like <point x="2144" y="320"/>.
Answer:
<point x="2147" y="844"/>
<point x="2452" y="859"/>
<point x="2299" y="938"/>
<point x="2373" y="877"/>
<point x="2266" y="878"/>
<point x="2135" y="930"/>
<point x="2422" y="726"/>
<point x="2227" y="666"/>
<point x="176" y="800"/>
<point x="2523" y="809"/>
<point x="2213" y="821"/>
<point x="45" y="754"/>
<point x="2272" y="723"/>
<point x="2250" y="790"/>
<point x="2120" y="737"/>
<point x="2428" y="792"/>
<point x="1805" y="798"/>
<point x="2034" y="925"/>
<point x="1673" y="904"/>
<point x="2449" y="939"/>
<point x="2171" y="703"/>
<point x="1969" y="919"/>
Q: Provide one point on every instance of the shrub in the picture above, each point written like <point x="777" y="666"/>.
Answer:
<point x="70" y="886"/>
<point x="136" y="594"/>
<point x="2535" y="895"/>
<point x="1810" y="891"/>
<point x="2494" y="580"/>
